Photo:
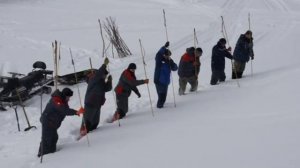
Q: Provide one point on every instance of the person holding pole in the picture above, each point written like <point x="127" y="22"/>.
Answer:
<point x="163" y="67"/>
<point x="219" y="52"/>
<point x="95" y="97"/>
<point x="189" y="68"/>
<point x="242" y="53"/>
<point x="127" y="83"/>
<point x="53" y="115"/>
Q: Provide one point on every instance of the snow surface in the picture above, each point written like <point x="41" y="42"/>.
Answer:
<point x="254" y="126"/>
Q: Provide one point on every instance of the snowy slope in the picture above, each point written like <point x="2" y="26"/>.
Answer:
<point x="256" y="125"/>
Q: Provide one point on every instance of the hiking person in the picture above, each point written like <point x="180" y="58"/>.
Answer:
<point x="95" y="97"/>
<point x="219" y="52"/>
<point x="163" y="67"/>
<point x="242" y="53"/>
<point x="53" y="115"/>
<point x="188" y="71"/>
<point x="126" y="84"/>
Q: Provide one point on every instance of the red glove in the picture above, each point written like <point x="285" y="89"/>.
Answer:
<point x="80" y="111"/>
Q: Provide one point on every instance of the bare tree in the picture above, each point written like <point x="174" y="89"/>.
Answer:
<point x="112" y="31"/>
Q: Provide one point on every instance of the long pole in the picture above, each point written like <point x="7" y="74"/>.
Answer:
<point x="55" y="59"/>
<point x="22" y="105"/>
<point x="17" y="117"/>
<point x="144" y="63"/>
<point x="54" y="45"/>
<point x="195" y="45"/>
<point x="91" y="65"/>
<point x="225" y="35"/>
<point x="103" y="42"/>
<point x="59" y="57"/>
<point x="84" y="124"/>
<point x="249" y="25"/>
<point x="165" y="24"/>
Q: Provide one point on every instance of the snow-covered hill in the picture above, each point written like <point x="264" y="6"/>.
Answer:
<point x="254" y="126"/>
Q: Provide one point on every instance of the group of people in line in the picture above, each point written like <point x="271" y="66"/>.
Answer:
<point x="100" y="82"/>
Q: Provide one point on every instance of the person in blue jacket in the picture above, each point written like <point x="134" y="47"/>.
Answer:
<point x="163" y="67"/>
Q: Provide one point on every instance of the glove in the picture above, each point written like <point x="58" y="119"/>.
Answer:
<point x="106" y="61"/>
<point x="138" y="94"/>
<point x="80" y="111"/>
<point x="146" y="81"/>
<point x="167" y="44"/>
<point x="196" y="63"/>
<point x="109" y="78"/>
<point x="229" y="49"/>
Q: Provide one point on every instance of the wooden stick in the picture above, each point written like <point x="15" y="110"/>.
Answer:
<point x="144" y="63"/>
<point x="224" y="32"/>
<point x="78" y="93"/>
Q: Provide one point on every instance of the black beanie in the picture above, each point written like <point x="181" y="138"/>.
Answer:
<point x="199" y="49"/>
<point x="131" y="66"/>
<point x="249" y="32"/>
<point x="222" y="40"/>
<point x="168" y="52"/>
<point x="66" y="92"/>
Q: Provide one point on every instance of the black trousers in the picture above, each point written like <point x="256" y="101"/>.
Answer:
<point x="49" y="140"/>
<point x="122" y="105"/>
<point x="162" y="91"/>
<point x="217" y="76"/>
<point x="91" y="117"/>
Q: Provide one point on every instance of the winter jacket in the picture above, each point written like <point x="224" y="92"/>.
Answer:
<point x="159" y="58"/>
<point x="95" y="93"/>
<point x="187" y="66"/>
<point x="56" y="111"/>
<point x="243" y="49"/>
<point x="218" y="57"/>
<point x="128" y="82"/>
<point x="163" y="68"/>
<point x="165" y="71"/>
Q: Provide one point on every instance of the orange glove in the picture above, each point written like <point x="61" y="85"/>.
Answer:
<point x="80" y="111"/>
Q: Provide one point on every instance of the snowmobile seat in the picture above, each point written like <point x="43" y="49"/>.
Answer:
<point x="40" y="65"/>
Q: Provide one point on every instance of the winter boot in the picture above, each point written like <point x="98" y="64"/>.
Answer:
<point x="83" y="130"/>
<point x="233" y="75"/>
<point x="240" y="74"/>
<point x="115" y="117"/>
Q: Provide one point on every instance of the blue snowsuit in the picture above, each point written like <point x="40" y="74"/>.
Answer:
<point x="162" y="73"/>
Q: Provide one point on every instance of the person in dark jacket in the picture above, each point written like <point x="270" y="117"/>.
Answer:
<point x="163" y="66"/>
<point x="242" y="53"/>
<point x="95" y="97"/>
<point x="53" y="115"/>
<point x="219" y="52"/>
<point x="127" y="83"/>
<point x="189" y="68"/>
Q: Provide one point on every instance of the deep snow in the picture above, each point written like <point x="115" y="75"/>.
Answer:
<point x="256" y="125"/>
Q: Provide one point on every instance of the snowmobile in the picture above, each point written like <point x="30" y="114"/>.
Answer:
<point x="19" y="87"/>
<point x="69" y="79"/>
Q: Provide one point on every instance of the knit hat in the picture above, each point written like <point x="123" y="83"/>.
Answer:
<point x="190" y="51"/>
<point x="66" y="92"/>
<point x="131" y="66"/>
<point x="168" y="52"/>
<point x="249" y="32"/>
<point x="199" y="49"/>
<point x="222" y="40"/>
